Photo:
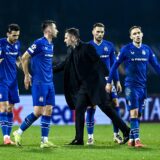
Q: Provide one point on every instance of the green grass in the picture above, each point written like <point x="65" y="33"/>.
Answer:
<point x="104" y="148"/>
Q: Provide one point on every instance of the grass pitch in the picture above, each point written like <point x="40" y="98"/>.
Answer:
<point x="104" y="148"/>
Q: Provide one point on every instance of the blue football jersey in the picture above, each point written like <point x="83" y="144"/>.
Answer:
<point x="41" y="52"/>
<point x="136" y="63"/>
<point x="106" y="51"/>
<point x="8" y="69"/>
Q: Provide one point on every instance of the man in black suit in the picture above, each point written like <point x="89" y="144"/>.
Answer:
<point x="84" y="83"/>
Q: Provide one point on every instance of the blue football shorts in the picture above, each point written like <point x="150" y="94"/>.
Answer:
<point x="43" y="94"/>
<point x="9" y="93"/>
<point x="135" y="98"/>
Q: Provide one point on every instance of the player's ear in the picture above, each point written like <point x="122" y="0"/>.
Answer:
<point x="142" y="34"/>
<point x="131" y="37"/>
<point x="93" y="32"/>
<point x="7" y="34"/>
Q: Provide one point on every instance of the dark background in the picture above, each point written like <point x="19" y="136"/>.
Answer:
<point x="117" y="15"/>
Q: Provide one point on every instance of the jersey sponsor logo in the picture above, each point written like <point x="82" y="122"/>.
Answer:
<point x="48" y="55"/>
<point x="12" y="53"/>
<point x="104" y="56"/>
<point x="139" y="59"/>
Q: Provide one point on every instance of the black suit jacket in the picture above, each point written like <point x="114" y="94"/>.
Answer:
<point x="83" y="65"/>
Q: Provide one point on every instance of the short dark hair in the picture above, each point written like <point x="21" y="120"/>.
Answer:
<point x="98" y="25"/>
<point x="74" y="32"/>
<point x="133" y="27"/>
<point x="47" y="23"/>
<point x="13" y="27"/>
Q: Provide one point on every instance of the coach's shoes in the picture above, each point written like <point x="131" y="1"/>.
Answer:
<point x="138" y="144"/>
<point x="76" y="142"/>
<point x="8" y="141"/>
<point x="47" y="144"/>
<point x="117" y="139"/>
<point x="90" y="141"/>
<point x="17" y="138"/>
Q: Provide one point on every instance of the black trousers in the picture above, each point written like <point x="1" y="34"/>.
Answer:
<point x="83" y="101"/>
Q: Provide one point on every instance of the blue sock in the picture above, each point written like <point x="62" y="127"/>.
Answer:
<point x="9" y="122"/>
<point x="115" y="128"/>
<point x="90" y="120"/>
<point x="131" y="135"/>
<point x="3" y="122"/>
<point x="45" y="125"/>
<point x="134" y="127"/>
<point x="28" y="121"/>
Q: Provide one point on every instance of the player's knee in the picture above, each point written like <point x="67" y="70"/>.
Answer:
<point x="38" y="111"/>
<point x="10" y="108"/>
<point x="47" y="110"/>
<point x="134" y="113"/>
<point x="3" y="106"/>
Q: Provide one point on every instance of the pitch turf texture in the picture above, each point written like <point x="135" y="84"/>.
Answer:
<point x="104" y="148"/>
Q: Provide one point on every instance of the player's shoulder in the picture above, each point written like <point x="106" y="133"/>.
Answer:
<point x="18" y="43"/>
<point x="145" y="46"/>
<point x="39" y="41"/>
<point x="3" y="40"/>
<point x="108" y="42"/>
<point x="126" y="46"/>
<point x="90" y="42"/>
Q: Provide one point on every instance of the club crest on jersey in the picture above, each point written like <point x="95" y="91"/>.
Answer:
<point x="16" y="46"/>
<point x="143" y="52"/>
<point x="105" y="48"/>
<point x="41" y="99"/>
<point x="7" y="46"/>
<point x="0" y="96"/>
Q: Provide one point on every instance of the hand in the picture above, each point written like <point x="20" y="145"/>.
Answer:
<point x="27" y="81"/>
<point x="1" y="59"/>
<point x="119" y="87"/>
<point x="108" y="87"/>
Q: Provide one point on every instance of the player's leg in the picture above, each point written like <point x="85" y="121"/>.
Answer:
<point x="4" y="92"/>
<point x="38" y="102"/>
<point x="3" y="120"/>
<point x="90" y="124"/>
<point x="116" y="136"/>
<point x="132" y="98"/>
<point x="142" y="97"/>
<point x="46" y="118"/>
<point x="28" y="121"/>
<point x="13" y="98"/>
